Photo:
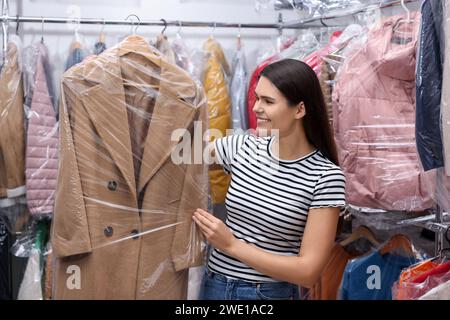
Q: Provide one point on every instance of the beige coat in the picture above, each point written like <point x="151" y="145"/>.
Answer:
<point x="12" y="138"/>
<point x="116" y="178"/>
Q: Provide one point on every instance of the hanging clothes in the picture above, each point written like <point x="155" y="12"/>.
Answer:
<point x="42" y="142"/>
<point x="445" y="101"/>
<point x="31" y="285"/>
<point x="371" y="277"/>
<point x="99" y="47"/>
<point x="219" y="109"/>
<point x="12" y="137"/>
<point x="76" y="53"/>
<point x="416" y="281"/>
<point x="374" y="116"/>
<point x="428" y="86"/>
<point x="238" y="91"/>
<point x="183" y="56"/>
<point x="314" y="60"/>
<point x="163" y="45"/>
<point x="5" y="260"/>
<point x="123" y="207"/>
<point x="327" y="287"/>
<point x="441" y="292"/>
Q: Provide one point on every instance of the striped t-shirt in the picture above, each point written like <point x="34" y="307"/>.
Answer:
<point x="268" y="198"/>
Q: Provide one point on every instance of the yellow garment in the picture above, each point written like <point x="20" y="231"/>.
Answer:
<point x="219" y="109"/>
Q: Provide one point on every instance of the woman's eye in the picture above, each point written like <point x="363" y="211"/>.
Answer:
<point x="268" y="102"/>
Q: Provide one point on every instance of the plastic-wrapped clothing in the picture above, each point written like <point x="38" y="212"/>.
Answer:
<point x="183" y="55"/>
<point x="163" y="45"/>
<point x="327" y="287"/>
<point x="122" y="225"/>
<point x="99" y="47"/>
<point x="428" y="87"/>
<point x="441" y="292"/>
<point x="75" y="56"/>
<point x="42" y="143"/>
<point x="238" y="91"/>
<point x="445" y="100"/>
<point x="314" y="60"/>
<point x="12" y="135"/>
<point x="374" y="116"/>
<point x="371" y="277"/>
<point x="31" y="285"/>
<point x="219" y="109"/>
<point x="5" y="281"/>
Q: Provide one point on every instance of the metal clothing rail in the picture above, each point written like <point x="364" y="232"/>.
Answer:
<point x="161" y="22"/>
<point x="347" y="13"/>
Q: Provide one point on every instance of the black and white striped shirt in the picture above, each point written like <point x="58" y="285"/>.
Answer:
<point x="268" y="199"/>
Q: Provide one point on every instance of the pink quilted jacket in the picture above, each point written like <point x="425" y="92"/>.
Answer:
<point x="374" y="118"/>
<point x="42" y="144"/>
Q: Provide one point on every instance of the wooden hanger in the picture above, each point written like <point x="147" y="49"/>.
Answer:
<point x="361" y="232"/>
<point x="398" y="241"/>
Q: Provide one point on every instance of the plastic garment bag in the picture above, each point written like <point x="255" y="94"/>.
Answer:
<point x="238" y="91"/>
<point x="374" y="118"/>
<point x="130" y="177"/>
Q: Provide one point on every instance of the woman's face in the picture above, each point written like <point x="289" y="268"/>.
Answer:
<point x="273" y="111"/>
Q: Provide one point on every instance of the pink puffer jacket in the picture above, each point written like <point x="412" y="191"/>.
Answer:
<point x="374" y="119"/>
<point x="42" y="144"/>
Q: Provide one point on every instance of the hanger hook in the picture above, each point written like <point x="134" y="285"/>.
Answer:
<point x="42" y="30"/>
<point x="103" y="25"/>
<point x="323" y="23"/>
<point x="165" y="25"/>
<point x="132" y="22"/>
<point x="239" y="30"/>
<point x="17" y="25"/>
<point x="179" y="27"/>
<point x="214" y="28"/>
<point x="406" y="9"/>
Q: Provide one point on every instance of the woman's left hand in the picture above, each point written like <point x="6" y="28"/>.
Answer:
<point x="215" y="231"/>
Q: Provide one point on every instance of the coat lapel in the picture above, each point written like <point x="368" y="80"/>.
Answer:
<point x="106" y="106"/>
<point x="173" y="110"/>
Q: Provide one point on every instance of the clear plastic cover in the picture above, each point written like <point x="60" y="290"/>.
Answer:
<point x="428" y="280"/>
<point x="33" y="242"/>
<point x="374" y="120"/>
<point x="372" y="276"/>
<point x="429" y="86"/>
<point x="130" y="177"/>
<point x="445" y="100"/>
<point x="215" y="83"/>
<point x="12" y="137"/>
<point x="41" y="162"/>
<point x="238" y="90"/>
<point x="5" y="290"/>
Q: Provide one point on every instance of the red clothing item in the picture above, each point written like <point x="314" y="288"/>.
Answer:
<point x="313" y="60"/>
<point x="251" y="99"/>
<point x="440" y="269"/>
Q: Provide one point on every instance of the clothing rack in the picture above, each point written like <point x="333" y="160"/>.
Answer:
<point x="280" y="25"/>
<point x="346" y="13"/>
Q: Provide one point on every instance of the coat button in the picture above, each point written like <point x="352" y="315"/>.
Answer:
<point x="135" y="232"/>
<point x="108" y="231"/>
<point x="112" y="185"/>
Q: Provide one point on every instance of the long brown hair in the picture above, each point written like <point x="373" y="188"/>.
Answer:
<point x="298" y="82"/>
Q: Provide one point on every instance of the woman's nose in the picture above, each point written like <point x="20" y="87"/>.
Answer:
<point x="257" y="108"/>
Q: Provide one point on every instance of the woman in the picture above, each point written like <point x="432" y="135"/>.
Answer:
<point x="285" y="196"/>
